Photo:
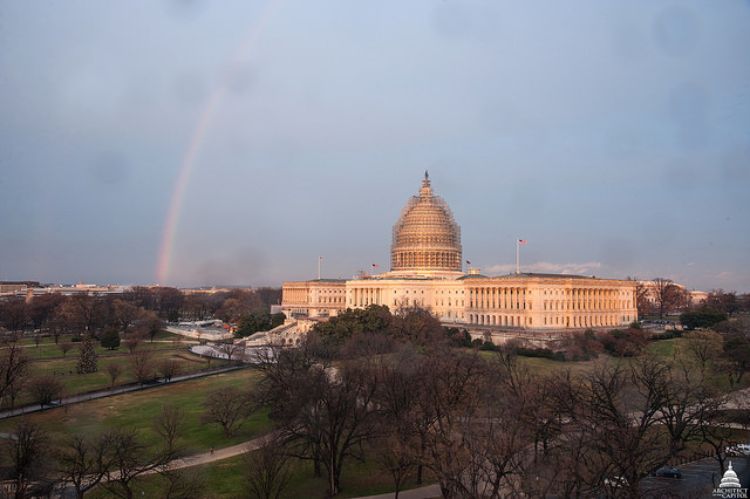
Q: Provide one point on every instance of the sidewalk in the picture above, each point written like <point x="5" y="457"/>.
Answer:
<point x="426" y="492"/>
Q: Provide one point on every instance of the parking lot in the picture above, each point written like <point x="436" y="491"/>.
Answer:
<point x="698" y="479"/>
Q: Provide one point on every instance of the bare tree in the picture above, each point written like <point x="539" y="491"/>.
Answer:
<point x="228" y="407"/>
<point x="14" y="365"/>
<point x="169" y="426"/>
<point x="45" y="389"/>
<point x="230" y="349"/>
<point x="131" y="458"/>
<point x="114" y="370"/>
<point x="83" y="462"/>
<point x="183" y="484"/>
<point x="142" y="365"/>
<point x="65" y="347"/>
<point x="169" y="368"/>
<point x="132" y="341"/>
<point x="26" y="451"/>
<point x="14" y="315"/>
<point x="396" y="453"/>
<point x="667" y="296"/>
<point x="267" y="471"/>
<point x="703" y="346"/>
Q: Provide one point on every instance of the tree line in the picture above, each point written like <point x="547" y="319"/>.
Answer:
<point x="663" y="297"/>
<point x="57" y="314"/>
<point x="389" y="388"/>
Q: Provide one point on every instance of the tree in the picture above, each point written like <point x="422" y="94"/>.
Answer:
<point x="169" y="302"/>
<point x="14" y="365"/>
<point x="45" y="389"/>
<point x="82" y="313"/>
<point x="83" y="462"/>
<point x="169" y="368"/>
<point x="230" y="349"/>
<point x="736" y="356"/>
<point x="722" y="301"/>
<point x="643" y="303"/>
<point x="267" y="471"/>
<point x="703" y="346"/>
<point x="131" y="458"/>
<point x="227" y="407"/>
<point x="325" y="416"/>
<point x="147" y="324"/>
<point x="114" y="370"/>
<point x="14" y="315"/>
<point x="418" y="326"/>
<point x="65" y="347"/>
<point x="618" y="409"/>
<point x="142" y="365"/>
<point x="26" y="451"/>
<point x="702" y="317"/>
<point x="125" y="313"/>
<point x="253" y="322"/>
<point x="87" y="360"/>
<point x="41" y="310"/>
<point x="110" y="339"/>
<point x="335" y="331"/>
<point x="667" y="296"/>
<point x="132" y="342"/>
<point x="183" y="484"/>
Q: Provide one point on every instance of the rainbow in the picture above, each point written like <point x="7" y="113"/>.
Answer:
<point x="198" y="137"/>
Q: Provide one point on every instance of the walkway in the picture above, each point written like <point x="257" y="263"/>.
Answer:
<point x="219" y="454"/>
<point x="132" y="387"/>
<point x="426" y="492"/>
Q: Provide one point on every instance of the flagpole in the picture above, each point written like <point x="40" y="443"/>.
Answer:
<point x="518" y="259"/>
<point x="319" y="259"/>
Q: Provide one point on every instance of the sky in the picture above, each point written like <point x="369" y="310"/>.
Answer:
<point x="233" y="143"/>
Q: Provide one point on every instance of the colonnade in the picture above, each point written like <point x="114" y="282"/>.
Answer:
<point x="362" y="297"/>
<point x="509" y="298"/>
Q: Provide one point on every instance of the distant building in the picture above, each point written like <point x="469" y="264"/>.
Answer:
<point x="427" y="271"/>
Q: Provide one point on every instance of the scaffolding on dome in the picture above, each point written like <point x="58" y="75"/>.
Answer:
<point x="426" y="236"/>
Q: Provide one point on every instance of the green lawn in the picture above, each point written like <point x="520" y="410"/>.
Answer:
<point x="225" y="479"/>
<point x="47" y="359"/>
<point x="138" y="410"/>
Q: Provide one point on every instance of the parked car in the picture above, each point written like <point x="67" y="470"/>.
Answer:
<point x="668" y="472"/>
<point x="738" y="450"/>
<point x="616" y="482"/>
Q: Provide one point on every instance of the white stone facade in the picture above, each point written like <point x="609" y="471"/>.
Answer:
<point x="426" y="272"/>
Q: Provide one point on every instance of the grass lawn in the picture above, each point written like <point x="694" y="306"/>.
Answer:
<point x="47" y="359"/>
<point x="225" y="479"/>
<point x="139" y="409"/>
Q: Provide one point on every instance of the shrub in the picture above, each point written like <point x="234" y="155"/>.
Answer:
<point x="623" y="343"/>
<point x="110" y="339"/>
<point x="702" y="317"/>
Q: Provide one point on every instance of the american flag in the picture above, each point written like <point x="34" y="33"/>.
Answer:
<point x="522" y="242"/>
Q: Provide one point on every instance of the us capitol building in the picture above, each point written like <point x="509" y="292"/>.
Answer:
<point x="427" y="271"/>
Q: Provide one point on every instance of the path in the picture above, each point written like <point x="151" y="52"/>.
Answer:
<point x="133" y="387"/>
<point x="219" y="454"/>
<point x="426" y="492"/>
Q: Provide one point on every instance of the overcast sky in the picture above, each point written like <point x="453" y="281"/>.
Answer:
<point x="613" y="135"/>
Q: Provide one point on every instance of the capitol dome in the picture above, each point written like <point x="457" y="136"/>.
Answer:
<point x="730" y="480"/>
<point x="426" y="238"/>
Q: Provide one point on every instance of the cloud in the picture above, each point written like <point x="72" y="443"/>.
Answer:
<point x="547" y="268"/>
